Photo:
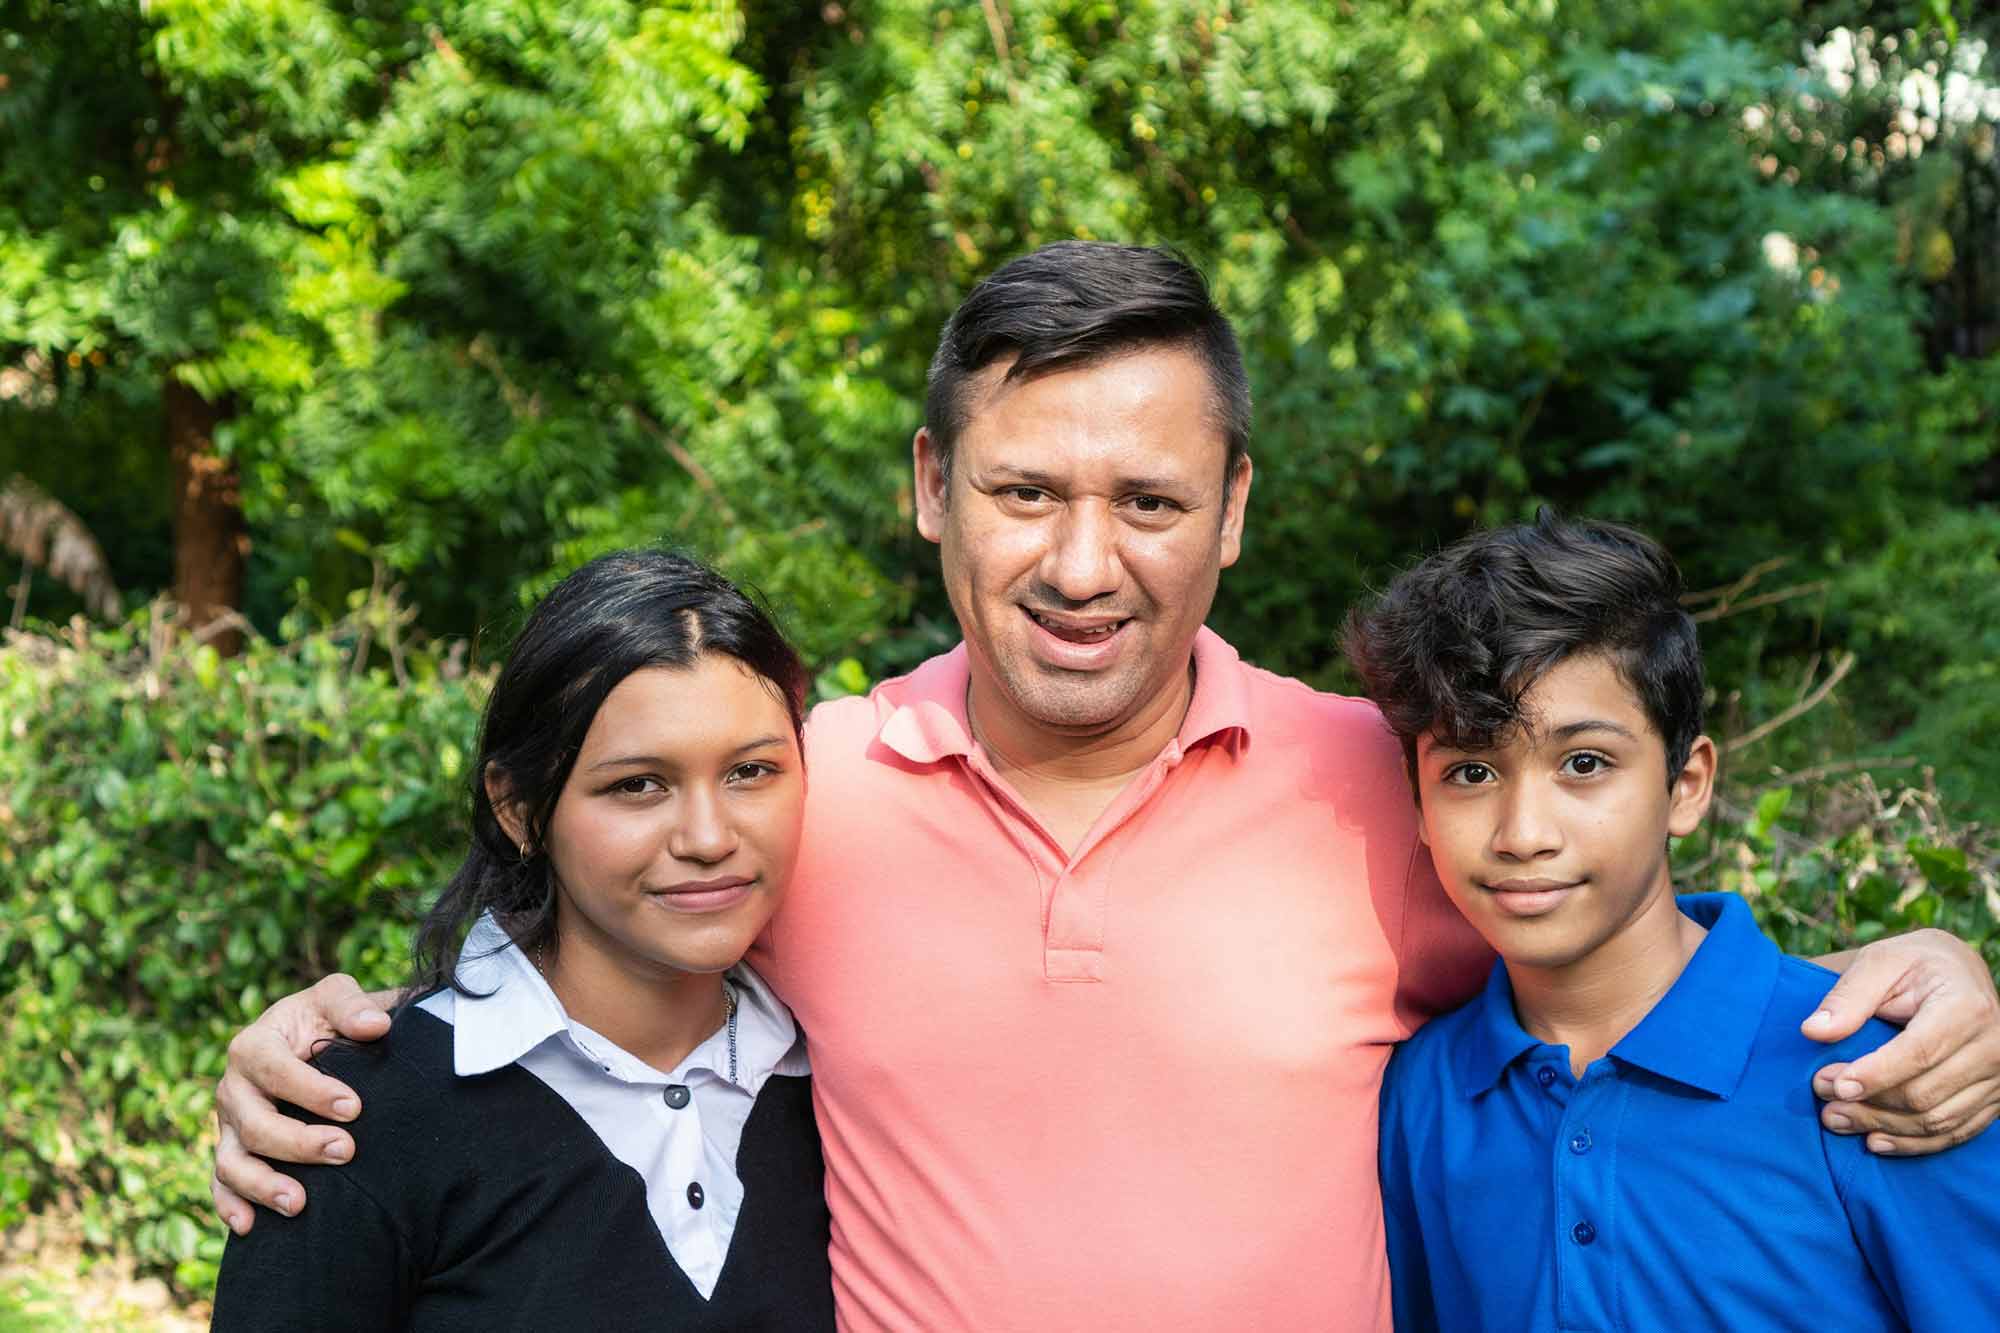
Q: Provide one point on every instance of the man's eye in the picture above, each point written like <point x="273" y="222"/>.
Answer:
<point x="1025" y="494"/>
<point x="1151" y="504"/>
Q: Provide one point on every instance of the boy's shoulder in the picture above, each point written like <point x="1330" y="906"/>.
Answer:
<point x="1796" y="995"/>
<point x="1429" y="1058"/>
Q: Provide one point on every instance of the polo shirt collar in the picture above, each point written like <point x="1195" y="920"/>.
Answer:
<point x="510" y="1010"/>
<point x="930" y="723"/>
<point x="1699" y="1034"/>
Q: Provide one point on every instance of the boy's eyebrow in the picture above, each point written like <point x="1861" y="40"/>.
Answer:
<point x="1571" y="729"/>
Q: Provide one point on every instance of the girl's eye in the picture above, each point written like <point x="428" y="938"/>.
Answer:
<point x="751" y="772"/>
<point x="637" y="786"/>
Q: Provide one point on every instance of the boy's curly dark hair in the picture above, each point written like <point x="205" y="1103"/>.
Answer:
<point x="1453" y="643"/>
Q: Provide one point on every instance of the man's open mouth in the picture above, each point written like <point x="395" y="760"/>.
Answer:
<point x="1074" y="632"/>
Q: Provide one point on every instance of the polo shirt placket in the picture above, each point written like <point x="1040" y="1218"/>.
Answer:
<point x="1076" y="890"/>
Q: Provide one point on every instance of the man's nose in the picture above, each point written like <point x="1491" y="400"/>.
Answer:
<point x="1527" y="828"/>
<point x="1082" y="563"/>
<point x="704" y="832"/>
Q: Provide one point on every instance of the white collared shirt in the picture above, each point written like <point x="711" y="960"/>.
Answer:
<point x="683" y="1154"/>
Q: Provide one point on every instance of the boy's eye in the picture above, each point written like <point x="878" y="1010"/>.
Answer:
<point x="1470" y="775"/>
<point x="1583" y="765"/>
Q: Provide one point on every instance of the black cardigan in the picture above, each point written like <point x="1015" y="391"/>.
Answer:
<point x="486" y="1203"/>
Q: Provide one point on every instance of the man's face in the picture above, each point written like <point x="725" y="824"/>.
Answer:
<point x="1555" y="839"/>
<point x="1083" y="527"/>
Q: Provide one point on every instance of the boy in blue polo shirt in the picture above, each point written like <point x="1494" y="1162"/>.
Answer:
<point x="1620" y="1132"/>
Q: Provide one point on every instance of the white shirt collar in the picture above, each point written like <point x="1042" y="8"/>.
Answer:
<point x="510" y="1010"/>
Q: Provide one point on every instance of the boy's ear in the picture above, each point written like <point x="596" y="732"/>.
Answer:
<point x="507" y="810"/>
<point x="1693" y="789"/>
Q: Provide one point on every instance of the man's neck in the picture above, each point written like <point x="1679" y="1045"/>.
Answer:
<point x="1589" y="1005"/>
<point x="1068" y="779"/>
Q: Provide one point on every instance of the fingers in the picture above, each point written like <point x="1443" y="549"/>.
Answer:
<point x="240" y="1178"/>
<point x="244" y="1110"/>
<point x="233" y="1208"/>
<point x="1870" y="980"/>
<point x="272" y="1067"/>
<point x="347" y="1009"/>
<point x="1950" y="1043"/>
<point x="1890" y="1145"/>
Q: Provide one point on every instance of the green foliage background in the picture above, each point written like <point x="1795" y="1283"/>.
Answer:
<point x="491" y="286"/>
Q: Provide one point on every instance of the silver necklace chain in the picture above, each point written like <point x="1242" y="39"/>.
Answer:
<point x="729" y="1005"/>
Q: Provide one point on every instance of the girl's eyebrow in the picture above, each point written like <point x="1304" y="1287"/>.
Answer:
<point x="660" y="761"/>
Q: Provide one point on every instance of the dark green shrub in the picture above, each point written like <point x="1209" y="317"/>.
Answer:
<point x="184" y="838"/>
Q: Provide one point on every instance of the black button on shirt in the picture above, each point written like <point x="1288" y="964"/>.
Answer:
<point x="677" y="1095"/>
<point x="695" y="1196"/>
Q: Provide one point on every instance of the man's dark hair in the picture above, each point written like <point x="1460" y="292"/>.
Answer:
<point x="1073" y="303"/>
<point x="1454" y="642"/>
<point x="621" y="613"/>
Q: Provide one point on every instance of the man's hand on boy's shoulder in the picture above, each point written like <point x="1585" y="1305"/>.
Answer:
<point x="268" y="1059"/>
<point x="1936" y="1083"/>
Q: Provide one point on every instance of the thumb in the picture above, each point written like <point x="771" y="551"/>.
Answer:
<point x="1869" y="980"/>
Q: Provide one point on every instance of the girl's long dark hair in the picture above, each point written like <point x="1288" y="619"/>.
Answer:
<point x="618" y="614"/>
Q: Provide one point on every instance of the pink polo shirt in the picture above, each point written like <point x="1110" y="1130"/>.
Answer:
<point x="1133" y="1088"/>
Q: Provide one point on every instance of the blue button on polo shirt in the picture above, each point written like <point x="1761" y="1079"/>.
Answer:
<point x="1682" y="1182"/>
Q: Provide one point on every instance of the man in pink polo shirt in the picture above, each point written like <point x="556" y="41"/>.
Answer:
<point x="1101" y="936"/>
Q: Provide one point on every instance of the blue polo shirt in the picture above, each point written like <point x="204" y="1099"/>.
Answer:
<point x="1683" y="1182"/>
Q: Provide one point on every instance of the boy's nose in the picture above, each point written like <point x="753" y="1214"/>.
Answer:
<point x="1526" y="829"/>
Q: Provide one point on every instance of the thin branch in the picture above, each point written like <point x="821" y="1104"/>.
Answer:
<point x="1818" y="771"/>
<point x="1729" y="592"/>
<point x="1797" y="710"/>
<point x="689" y="463"/>
<point x="1728" y="608"/>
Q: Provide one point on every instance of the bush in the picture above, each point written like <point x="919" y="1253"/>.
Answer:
<point x="1839" y="865"/>
<point x="185" y="838"/>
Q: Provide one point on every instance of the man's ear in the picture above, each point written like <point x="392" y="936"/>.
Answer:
<point x="1693" y="789"/>
<point x="513" y="820"/>
<point x="1235" y="500"/>
<point x="933" y="485"/>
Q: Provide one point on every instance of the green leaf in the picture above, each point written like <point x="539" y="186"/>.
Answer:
<point x="1770" y="807"/>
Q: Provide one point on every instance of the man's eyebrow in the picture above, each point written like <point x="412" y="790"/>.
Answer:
<point x="1568" y="730"/>
<point x="1004" y="474"/>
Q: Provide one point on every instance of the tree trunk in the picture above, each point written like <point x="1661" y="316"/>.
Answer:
<point x="211" y="541"/>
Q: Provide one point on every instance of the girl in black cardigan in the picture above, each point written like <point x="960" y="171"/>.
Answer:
<point x="588" y="1114"/>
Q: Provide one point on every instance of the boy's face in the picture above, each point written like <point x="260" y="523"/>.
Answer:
<point x="1553" y="840"/>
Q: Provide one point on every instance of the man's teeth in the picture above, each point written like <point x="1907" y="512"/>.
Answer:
<point x="1072" y="632"/>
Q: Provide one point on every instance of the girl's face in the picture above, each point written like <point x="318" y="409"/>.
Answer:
<point x="675" y="835"/>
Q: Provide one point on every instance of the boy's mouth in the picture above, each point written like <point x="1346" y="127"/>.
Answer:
<point x="1530" y="897"/>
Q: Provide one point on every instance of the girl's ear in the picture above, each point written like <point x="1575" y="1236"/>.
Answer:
<point x="1693" y="789"/>
<point x="513" y="820"/>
